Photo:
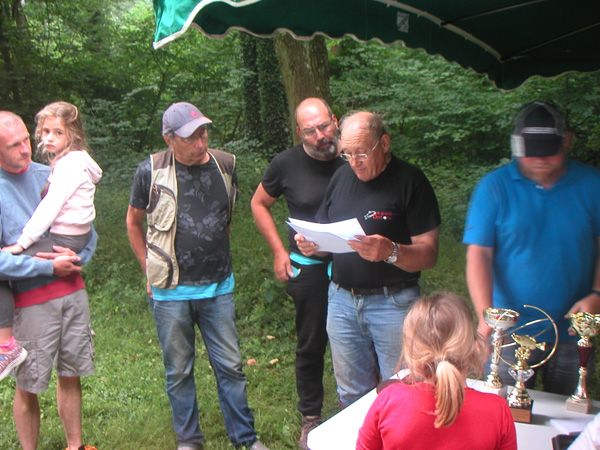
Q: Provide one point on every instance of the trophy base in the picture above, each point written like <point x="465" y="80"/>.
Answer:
<point x="578" y="406"/>
<point x="522" y="415"/>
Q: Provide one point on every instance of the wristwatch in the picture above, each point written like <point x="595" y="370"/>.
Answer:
<point x="394" y="256"/>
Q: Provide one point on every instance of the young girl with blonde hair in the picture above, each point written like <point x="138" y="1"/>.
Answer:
<point x="67" y="208"/>
<point x="431" y="407"/>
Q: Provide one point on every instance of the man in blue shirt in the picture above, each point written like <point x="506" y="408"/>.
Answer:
<point x="532" y="232"/>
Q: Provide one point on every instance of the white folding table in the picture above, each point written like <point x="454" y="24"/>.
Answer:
<point x="340" y="431"/>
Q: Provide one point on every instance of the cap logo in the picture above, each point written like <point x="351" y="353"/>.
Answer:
<point x="194" y="114"/>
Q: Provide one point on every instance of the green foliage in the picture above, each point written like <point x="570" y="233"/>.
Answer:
<point x="98" y="56"/>
<point x="438" y="111"/>
<point x="453" y="187"/>
<point x="434" y="110"/>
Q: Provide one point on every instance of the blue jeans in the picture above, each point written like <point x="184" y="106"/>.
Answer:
<point x="215" y="318"/>
<point x="559" y="375"/>
<point x="365" y="335"/>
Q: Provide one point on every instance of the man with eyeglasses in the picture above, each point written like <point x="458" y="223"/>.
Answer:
<point x="187" y="194"/>
<point x="373" y="287"/>
<point x="301" y="175"/>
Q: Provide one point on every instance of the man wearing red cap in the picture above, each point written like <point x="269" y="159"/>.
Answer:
<point x="187" y="194"/>
<point x="532" y="231"/>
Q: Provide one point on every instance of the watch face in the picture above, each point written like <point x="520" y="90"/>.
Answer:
<point x="394" y="256"/>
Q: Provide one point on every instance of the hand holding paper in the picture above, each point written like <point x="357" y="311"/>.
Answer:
<point x="330" y="237"/>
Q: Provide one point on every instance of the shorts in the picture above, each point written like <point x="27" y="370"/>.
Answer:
<point x="54" y="333"/>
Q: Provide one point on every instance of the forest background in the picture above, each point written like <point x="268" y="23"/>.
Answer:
<point x="450" y="121"/>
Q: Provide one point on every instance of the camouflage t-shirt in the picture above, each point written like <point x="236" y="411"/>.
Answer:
<point x="201" y="240"/>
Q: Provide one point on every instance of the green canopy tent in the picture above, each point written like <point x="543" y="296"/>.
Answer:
<point x="508" y="40"/>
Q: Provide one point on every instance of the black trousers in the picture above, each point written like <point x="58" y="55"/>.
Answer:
<point x="309" y="291"/>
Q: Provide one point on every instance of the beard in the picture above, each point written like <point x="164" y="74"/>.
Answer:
<point x="325" y="149"/>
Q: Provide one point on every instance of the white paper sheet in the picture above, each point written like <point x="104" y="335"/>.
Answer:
<point x="330" y="237"/>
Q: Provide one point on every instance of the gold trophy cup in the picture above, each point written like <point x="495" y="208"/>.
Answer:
<point x="500" y="320"/>
<point x="519" y="400"/>
<point x="587" y="327"/>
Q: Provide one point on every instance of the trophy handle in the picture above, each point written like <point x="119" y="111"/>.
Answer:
<point x="555" y="336"/>
<point x="548" y="318"/>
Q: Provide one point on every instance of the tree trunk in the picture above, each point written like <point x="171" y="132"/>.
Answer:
<point x="19" y="17"/>
<point x="250" y="87"/>
<point x="273" y="103"/>
<point x="305" y="69"/>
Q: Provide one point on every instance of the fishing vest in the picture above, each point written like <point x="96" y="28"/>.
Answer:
<point x="162" y="270"/>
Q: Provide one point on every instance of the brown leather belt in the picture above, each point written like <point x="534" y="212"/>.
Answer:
<point x="383" y="290"/>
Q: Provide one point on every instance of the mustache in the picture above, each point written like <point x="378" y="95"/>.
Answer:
<point x="326" y="141"/>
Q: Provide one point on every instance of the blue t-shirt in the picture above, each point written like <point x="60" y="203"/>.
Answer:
<point x="182" y="292"/>
<point x="544" y="240"/>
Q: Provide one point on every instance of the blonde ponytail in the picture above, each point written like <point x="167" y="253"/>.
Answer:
<point x="449" y="393"/>
<point x="441" y="346"/>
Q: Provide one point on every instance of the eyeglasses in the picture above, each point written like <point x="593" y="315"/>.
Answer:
<point x="359" y="156"/>
<point x="200" y="133"/>
<point x="312" y="132"/>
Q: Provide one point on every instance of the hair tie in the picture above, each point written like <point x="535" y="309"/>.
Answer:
<point x="444" y="359"/>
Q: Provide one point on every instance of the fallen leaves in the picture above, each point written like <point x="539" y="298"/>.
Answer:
<point x="254" y="361"/>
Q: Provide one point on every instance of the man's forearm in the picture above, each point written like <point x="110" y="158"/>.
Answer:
<point x="421" y="254"/>
<point x="416" y="257"/>
<point x="266" y="226"/>
<point x="18" y="267"/>
<point x="596" y="283"/>
<point x="260" y="204"/>
<point x="137" y="239"/>
<point x="480" y="277"/>
<point x="137" y="234"/>
<point x="591" y="302"/>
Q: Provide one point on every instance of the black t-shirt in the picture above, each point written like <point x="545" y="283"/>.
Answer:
<point x="398" y="203"/>
<point x="302" y="181"/>
<point x="201" y="240"/>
